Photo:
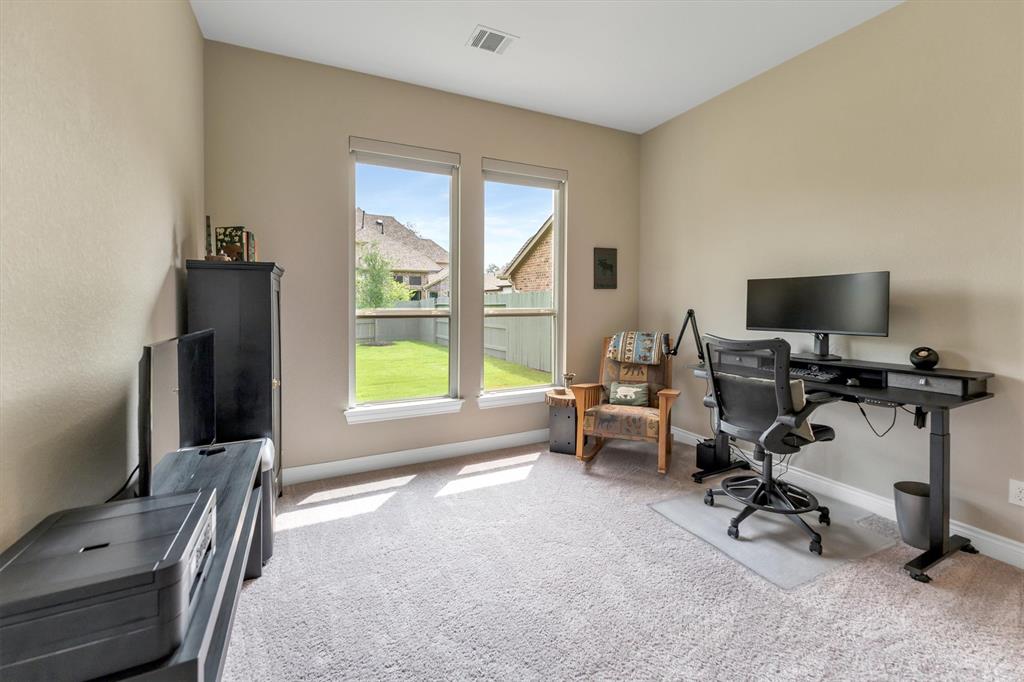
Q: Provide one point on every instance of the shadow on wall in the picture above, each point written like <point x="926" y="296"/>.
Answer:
<point x="70" y="463"/>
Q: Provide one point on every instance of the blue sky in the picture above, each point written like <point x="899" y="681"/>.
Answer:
<point x="421" y="201"/>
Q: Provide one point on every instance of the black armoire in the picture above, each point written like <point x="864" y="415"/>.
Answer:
<point x="241" y="302"/>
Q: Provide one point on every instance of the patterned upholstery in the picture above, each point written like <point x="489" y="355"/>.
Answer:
<point x="628" y="373"/>
<point x="622" y="421"/>
<point x="642" y="348"/>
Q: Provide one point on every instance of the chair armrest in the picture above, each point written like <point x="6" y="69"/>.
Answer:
<point x="587" y="395"/>
<point x="812" y="401"/>
<point x="666" y="397"/>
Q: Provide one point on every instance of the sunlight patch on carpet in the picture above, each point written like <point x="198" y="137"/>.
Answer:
<point x="461" y="485"/>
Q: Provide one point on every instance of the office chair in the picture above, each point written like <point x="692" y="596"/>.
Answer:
<point x="764" y="412"/>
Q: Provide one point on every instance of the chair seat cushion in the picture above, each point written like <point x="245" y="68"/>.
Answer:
<point x="820" y="431"/>
<point x="631" y="422"/>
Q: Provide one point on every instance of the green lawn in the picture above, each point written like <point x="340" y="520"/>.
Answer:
<point x="414" y="369"/>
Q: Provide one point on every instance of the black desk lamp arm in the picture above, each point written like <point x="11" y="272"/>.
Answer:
<point x="690" y="317"/>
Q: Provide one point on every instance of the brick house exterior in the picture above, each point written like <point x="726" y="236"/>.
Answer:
<point x="531" y="268"/>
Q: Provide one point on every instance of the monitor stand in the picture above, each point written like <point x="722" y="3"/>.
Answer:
<point x="820" y="353"/>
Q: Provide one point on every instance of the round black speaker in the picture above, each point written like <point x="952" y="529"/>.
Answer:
<point x="924" y="357"/>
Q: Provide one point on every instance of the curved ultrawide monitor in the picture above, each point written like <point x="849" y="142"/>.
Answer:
<point x="855" y="304"/>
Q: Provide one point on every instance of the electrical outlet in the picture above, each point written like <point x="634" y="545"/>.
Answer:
<point x="1017" y="492"/>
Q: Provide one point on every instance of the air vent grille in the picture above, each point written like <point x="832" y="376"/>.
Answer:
<point x="490" y="39"/>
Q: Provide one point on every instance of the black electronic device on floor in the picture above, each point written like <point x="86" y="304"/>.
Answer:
<point x="95" y="590"/>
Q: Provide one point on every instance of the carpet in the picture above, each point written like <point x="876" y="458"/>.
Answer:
<point x="527" y="565"/>
<point x="770" y="545"/>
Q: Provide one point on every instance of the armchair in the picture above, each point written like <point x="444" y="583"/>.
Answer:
<point x="596" y="418"/>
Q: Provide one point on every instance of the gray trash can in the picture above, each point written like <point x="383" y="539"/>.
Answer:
<point x="912" y="512"/>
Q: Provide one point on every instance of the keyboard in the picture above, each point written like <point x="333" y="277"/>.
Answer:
<point x="813" y="373"/>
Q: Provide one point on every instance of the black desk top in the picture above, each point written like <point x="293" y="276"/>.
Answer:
<point x="901" y="396"/>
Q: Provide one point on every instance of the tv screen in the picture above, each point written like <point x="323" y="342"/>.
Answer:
<point x="176" y="400"/>
<point x="856" y="304"/>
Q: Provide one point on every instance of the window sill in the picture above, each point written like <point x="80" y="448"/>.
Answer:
<point x="404" y="410"/>
<point x="524" y="396"/>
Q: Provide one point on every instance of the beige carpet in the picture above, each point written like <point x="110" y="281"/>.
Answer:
<point x="526" y="565"/>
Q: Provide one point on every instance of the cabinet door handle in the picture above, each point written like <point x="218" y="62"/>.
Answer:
<point x="276" y="383"/>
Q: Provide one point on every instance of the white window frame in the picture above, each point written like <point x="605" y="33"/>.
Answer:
<point x="514" y="173"/>
<point x="406" y="157"/>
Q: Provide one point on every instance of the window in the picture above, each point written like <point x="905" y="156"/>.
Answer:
<point x="523" y="232"/>
<point x="404" y="220"/>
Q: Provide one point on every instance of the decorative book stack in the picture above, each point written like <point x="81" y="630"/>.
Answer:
<point x="236" y="242"/>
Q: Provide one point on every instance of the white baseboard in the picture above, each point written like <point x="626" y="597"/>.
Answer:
<point x="989" y="544"/>
<point x="358" y="465"/>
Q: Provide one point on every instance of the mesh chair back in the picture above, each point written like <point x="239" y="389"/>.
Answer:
<point x="748" y="406"/>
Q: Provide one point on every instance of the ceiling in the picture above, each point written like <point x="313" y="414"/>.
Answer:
<point x="625" y="65"/>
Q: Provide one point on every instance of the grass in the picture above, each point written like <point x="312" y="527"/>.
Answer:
<point x="414" y="369"/>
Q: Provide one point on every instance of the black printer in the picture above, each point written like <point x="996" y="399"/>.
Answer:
<point x="95" y="590"/>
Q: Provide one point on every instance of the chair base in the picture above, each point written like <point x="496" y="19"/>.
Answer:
<point x="775" y="497"/>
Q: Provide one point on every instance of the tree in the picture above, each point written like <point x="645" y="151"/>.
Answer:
<point x="493" y="269"/>
<point x="375" y="286"/>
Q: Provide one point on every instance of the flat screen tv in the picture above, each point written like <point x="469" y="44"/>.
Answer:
<point x="176" y="400"/>
<point x="855" y="304"/>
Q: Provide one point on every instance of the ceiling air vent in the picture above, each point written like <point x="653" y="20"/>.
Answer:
<point x="490" y="40"/>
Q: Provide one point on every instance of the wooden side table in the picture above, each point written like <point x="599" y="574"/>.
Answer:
<point x="562" y="409"/>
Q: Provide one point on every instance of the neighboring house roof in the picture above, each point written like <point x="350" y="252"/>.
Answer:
<point x="491" y="282"/>
<point x="525" y="249"/>
<point x="403" y="248"/>
<point x="434" y="278"/>
<point x="494" y="283"/>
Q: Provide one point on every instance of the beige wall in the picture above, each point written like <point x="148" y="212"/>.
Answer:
<point x="277" y="161"/>
<point x="896" y="146"/>
<point x="102" y="194"/>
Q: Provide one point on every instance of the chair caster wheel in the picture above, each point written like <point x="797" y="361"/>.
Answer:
<point x="709" y="498"/>
<point x="824" y="518"/>
<point x="816" y="547"/>
<point x="734" y="532"/>
<point x="921" y="577"/>
<point x="969" y="548"/>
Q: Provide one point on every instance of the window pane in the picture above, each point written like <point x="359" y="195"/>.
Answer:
<point x="519" y="239"/>
<point x="402" y="234"/>
<point x="519" y="243"/>
<point x="517" y="352"/>
<point x="401" y="359"/>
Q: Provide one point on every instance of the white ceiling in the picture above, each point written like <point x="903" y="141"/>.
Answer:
<point x="625" y="65"/>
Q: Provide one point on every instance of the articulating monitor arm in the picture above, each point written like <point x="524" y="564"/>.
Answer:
<point x="691" y="317"/>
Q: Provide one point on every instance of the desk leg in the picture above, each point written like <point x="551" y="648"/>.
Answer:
<point x="940" y="544"/>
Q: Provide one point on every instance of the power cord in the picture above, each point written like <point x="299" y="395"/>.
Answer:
<point x="125" y="486"/>
<point x="872" y="426"/>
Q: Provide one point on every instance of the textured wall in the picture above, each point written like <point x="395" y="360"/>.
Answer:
<point x="896" y="146"/>
<point x="277" y="134"/>
<point x="102" y="198"/>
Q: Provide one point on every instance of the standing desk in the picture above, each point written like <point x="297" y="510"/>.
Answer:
<point x="933" y="393"/>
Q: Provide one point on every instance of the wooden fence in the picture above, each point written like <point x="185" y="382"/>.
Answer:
<point x="523" y="340"/>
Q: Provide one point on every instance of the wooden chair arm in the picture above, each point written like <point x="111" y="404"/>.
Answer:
<point x="666" y="397"/>
<point x="587" y="395"/>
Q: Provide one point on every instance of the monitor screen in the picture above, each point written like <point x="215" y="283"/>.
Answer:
<point x="176" y="399"/>
<point x="856" y="304"/>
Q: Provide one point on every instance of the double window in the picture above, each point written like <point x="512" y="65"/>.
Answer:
<point x="404" y="252"/>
